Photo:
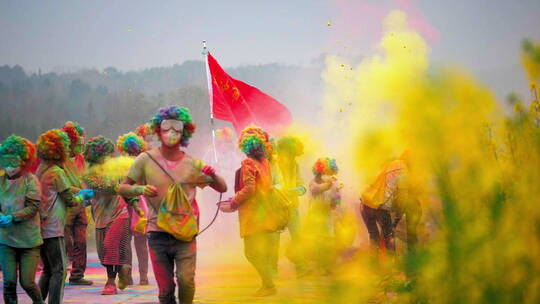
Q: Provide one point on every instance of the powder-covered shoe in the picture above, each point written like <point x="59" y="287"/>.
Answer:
<point x="80" y="281"/>
<point x="123" y="277"/>
<point x="109" y="289"/>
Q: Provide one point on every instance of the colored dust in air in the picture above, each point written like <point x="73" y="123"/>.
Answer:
<point x="473" y="168"/>
<point x="107" y="175"/>
<point x="114" y="168"/>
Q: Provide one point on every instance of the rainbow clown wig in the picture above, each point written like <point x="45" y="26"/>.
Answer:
<point x="325" y="166"/>
<point x="131" y="144"/>
<point x="144" y="130"/>
<point x="16" y="151"/>
<point x="254" y="141"/>
<point x="290" y="145"/>
<point x="53" y="145"/>
<point x="75" y="133"/>
<point x="176" y="113"/>
<point x="97" y="149"/>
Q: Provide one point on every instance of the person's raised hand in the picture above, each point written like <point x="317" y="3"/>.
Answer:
<point x="208" y="170"/>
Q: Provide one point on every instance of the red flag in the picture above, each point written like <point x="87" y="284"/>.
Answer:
<point x="241" y="104"/>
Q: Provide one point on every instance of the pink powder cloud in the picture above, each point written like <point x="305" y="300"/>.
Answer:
<point x="362" y="19"/>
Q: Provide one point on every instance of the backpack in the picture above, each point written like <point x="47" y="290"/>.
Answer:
<point x="373" y="195"/>
<point x="278" y="207"/>
<point x="376" y="194"/>
<point x="175" y="215"/>
<point x="275" y="208"/>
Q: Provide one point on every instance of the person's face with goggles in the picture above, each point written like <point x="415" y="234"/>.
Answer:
<point x="11" y="164"/>
<point x="171" y="132"/>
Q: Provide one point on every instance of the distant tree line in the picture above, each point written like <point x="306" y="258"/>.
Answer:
<point x="111" y="102"/>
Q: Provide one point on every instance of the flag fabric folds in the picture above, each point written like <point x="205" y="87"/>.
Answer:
<point x="241" y="104"/>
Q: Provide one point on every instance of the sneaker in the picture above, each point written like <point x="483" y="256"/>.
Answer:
<point x="109" y="289"/>
<point x="265" y="292"/>
<point x="123" y="277"/>
<point x="80" y="281"/>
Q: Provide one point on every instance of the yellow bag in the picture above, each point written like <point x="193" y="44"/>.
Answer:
<point x="175" y="215"/>
<point x="373" y="196"/>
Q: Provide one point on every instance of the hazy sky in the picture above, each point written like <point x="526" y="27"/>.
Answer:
<point x="483" y="35"/>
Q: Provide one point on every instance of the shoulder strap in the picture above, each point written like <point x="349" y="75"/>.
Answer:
<point x="160" y="166"/>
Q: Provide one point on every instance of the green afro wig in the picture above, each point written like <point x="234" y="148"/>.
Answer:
<point x="19" y="149"/>
<point x="97" y="149"/>
<point x="254" y="141"/>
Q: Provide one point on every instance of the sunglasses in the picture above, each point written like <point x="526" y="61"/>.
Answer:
<point x="168" y="124"/>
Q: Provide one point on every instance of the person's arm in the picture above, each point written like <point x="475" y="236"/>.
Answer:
<point x="249" y="174"/>
<point x="30" y="209"/>
<point x="63" y="187"/>
<point x="100" y="182"/>
<point x="129" y="189"/>
<point x="70" y="199"/>
<point x="32" y="200"/>
<point x="316" y="188"/>
<point x="218" y="183"/>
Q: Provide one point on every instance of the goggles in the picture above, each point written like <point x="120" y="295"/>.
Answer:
<point x="168" y="124"/>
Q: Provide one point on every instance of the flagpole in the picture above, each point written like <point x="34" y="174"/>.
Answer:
<point x="210" y="99"/>
<point x="210" y="96"/>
